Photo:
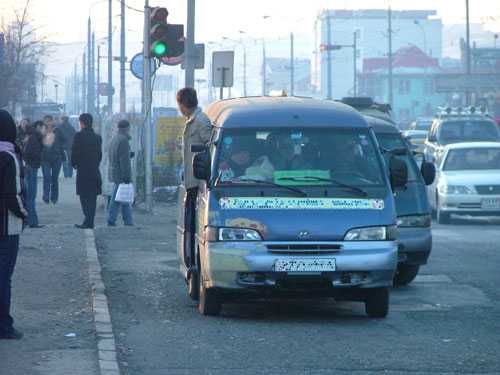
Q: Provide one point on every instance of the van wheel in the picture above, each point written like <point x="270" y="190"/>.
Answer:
<point x="442" y="217"/>
<point x="405" y="274"/>
<point x="209" y="302"/>
<point x="377" y="303"/>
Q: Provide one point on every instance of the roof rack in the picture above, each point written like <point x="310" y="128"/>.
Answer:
<point x="462" y="111"/>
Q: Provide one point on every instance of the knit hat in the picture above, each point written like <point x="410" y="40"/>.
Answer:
<point x="8" y="130"/>
<point x="123" y="124"/>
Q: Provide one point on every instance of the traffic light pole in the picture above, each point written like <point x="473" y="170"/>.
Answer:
<point x="146" y="110"/>
<point x="123" y="102"/>
<point x="189" y="46"/>
<point x="110" y="58"/>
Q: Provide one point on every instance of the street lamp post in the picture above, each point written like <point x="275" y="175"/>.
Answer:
<point x="424" y="35"/>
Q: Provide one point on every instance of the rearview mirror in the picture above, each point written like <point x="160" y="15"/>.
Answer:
<point x="202" y="166"/>
<point x="428" y="171"/>
<point x="398" y="173"/>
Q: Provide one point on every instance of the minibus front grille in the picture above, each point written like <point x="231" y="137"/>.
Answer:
<point x="304" y="248"/>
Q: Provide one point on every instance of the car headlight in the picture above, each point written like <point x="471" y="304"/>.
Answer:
<point x="455" y="189"/>
<point x="372" y="234"/>
<point x="238" y="234"/>
<point x="421" y="221"/>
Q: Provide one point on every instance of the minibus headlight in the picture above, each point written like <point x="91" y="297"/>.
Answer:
<point x="372" y="234"/>
<point x="238" y="234"/>
<point x="421" y="221"/>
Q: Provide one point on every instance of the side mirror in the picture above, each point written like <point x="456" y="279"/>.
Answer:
<point x="202" y="166"/>
<point x="432" y="138"/>
<point x="198" y="148"/>
<point x="398" y="173"/>
<point x="428" y="171"/>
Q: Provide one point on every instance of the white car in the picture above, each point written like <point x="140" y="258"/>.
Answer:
<point x="467" y="181"/>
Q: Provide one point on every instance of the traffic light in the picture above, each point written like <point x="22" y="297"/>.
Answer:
<point x="165" y="40"/>
<point x="158" y="32"/>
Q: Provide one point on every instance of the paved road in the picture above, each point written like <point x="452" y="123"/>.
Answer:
<point x="446" y="322"/>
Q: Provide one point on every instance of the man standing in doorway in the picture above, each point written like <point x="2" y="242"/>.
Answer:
<point x="69" y="134"/>
<point x="120" y="172"/>
<point x="86" y="155"/>
<point x="197" y="131"/>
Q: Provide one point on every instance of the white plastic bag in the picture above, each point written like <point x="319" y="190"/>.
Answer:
<point x="125" y="193"/>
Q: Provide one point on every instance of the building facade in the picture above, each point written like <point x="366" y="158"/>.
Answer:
<point x="337" y="27"/>
<point x="414" y="83"/>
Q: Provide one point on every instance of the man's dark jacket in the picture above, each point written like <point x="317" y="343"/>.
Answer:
<point x="119" y="158"/>
<point x="86" y="155"/>
<point x="32" y="153"/>
<point x="68" y="132"/>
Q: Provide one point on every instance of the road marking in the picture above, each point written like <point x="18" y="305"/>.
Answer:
<point x="108" y="364"/>
<point x="432" y="279"/>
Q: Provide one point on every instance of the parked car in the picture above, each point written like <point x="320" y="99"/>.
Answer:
<point x="412" y="206"/>
<point x="416" y="138"/>
<point x="294" y="200"/>
<point x="455" y="127"/>
<point x="467" y="181"/>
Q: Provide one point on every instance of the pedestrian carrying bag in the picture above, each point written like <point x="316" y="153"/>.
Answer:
<point x="125" y="193"/>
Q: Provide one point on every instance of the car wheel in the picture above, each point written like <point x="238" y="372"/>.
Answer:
<point x="405" y="274"/>
<point x="377" y="303"/>
<point x="442" y="217"/>
<point x="209" y="302"/>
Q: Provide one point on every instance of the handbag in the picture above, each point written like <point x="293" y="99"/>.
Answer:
<point x="125" y="193"/>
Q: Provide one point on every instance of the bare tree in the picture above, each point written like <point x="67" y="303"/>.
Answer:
<point x="25" y="46"/>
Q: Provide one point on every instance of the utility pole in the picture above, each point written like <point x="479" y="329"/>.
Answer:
<point x="355" y="65"/>
<point x="123" y="102"/>
<point x="56" y="86"/>
<point x="292" y="67"/>
<point x="98" y="79"/>
<point x="89" y="67"/>
<point x="389" y="36"/>
<point x="468" y="52"/>
<point x="84" y="83"/>
<point x="264" y="68"/>
<point x="110" y="58"/>
<point x="244" y="70"/>
<point x="329" y="57"/>
<point x="146" y="109"/>
<point x="189" y="46"/>
<point x="76" y="105"/>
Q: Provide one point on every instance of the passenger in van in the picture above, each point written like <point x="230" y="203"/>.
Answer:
<point x="284" y="156"/>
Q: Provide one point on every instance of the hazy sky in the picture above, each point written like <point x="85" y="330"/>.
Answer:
<point x="65" y="20"/>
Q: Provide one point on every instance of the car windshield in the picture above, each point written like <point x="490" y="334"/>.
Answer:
<point x="471" y="130"/>
<point x="469" y="159"/>
<point x="344" y="158"/>
<point x="395" y="141"/>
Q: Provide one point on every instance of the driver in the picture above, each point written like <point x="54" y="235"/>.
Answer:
<point x="238" y="158"/>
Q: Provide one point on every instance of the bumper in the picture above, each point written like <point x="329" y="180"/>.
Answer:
<point x="469" y="204"/>
<point x="240" y="267"/>
<point x="414" y="245"/>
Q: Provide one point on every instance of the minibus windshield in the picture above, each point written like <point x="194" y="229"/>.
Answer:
<point x="344" y="158"/>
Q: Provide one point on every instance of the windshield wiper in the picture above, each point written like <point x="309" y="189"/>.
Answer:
<point x="302" y="193"/>
<point x="338" y="183"/>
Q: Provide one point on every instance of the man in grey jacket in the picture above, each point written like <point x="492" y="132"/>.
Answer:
<point x="120" y="172"/>
<point x="197" y="131"/>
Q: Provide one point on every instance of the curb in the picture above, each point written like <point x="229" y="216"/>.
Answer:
<point x="106" y="347"/>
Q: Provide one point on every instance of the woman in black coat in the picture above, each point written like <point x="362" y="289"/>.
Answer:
<point x="12" y="215"/>
<point x="86" y="156"/>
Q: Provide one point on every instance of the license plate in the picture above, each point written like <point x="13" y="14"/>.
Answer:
<point x="305" y="265"/>
<point x="490" y="204"/>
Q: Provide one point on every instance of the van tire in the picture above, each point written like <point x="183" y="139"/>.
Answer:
<point x="209" y="303"/>
<point x="377" y="303"/>
<point x="442" y="217"/>
<point x="405" y="274"/>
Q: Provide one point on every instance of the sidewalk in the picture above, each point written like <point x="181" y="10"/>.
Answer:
<point x="51" y="296"/>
